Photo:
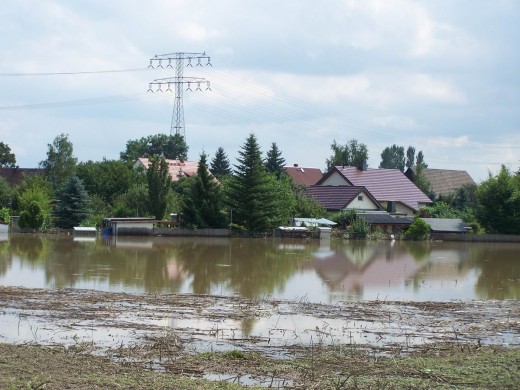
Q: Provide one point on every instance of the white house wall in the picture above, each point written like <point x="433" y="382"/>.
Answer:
<point x="335" y="179"/>
<point x="401" y="208"/>
<point x="365" y="204"/>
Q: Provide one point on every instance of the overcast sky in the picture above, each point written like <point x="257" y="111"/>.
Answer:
<point x="442" y="76"/>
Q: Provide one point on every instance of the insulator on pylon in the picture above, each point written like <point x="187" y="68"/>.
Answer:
<point x="151" y="65"/>
<point x="150" y="88"/>
<point x="208" y="86"/>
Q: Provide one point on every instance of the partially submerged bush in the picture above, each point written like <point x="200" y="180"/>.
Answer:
<point x="418" y="230"/>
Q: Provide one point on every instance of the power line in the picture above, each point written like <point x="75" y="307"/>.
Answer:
<point x="72" y="73"/>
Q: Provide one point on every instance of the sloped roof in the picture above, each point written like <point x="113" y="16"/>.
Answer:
<point x="386" y="185"/>
<point x="447" y="225"/>
<point x="177" y="168"/>
<point x="304" y="176"/>
<point x="385" y="219"/>
<point x="15" y="176"/>
<point x="337" y="197"/>
<point x="445" y="181"/>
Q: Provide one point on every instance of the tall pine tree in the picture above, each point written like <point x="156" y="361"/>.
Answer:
<point x="203" y="205"/>
<point x="274" y="162"/>
<point x="72" y="207"/>
<point x="250" y="194"/>
<point x="220" y="166"/>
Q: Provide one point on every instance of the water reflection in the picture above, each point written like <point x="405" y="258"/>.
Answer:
<point x="318" y="271"/>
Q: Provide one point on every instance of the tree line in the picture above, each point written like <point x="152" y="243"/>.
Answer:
<point x="253" y="195"/>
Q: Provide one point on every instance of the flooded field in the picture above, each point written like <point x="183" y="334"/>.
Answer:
<point x="159" y="302"/>
<point x="314" y="271"/>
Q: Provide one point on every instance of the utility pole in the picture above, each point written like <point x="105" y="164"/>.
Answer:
<point x="179" y="82"/>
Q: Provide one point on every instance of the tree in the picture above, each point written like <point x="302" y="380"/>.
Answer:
<point x="410" y="157"/>
<point x="60" y="164"/>
<point x="249" y="192"/>
<point x="305" y="206"/>
<point x="274" y="162"/>
<point x="352" y="153"/>
<point x="32" y="217"/>
<point x="108" y="179"/>
<point x="393" y="158"/>
<point x="159" y="185"/>
<point x="418" y="230"/>
<point x="498" y="207"/>
<point x="72" y="206"/>
<point x="7" y="159"/>
<point x="6" y="193"/>
<point x="220" y="166"/>
<point x="420" y="163"/>
<point x="37" y="192"/>
<point x="168" y="146"/>
<point x="203" y="205"/>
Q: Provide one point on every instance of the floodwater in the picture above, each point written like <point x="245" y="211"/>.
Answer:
<point x="326" y="271"/>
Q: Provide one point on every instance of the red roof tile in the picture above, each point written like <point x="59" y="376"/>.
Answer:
<point x="304" y="176"/>
<point x="336" y="198"/>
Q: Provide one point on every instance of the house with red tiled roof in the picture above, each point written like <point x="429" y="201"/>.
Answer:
<point x="177" y="168"/>
<point x="390" y="187"/>
<point x="15" y="176"/>
<point x="304" y="176"/>
<point x="343" y="197"/>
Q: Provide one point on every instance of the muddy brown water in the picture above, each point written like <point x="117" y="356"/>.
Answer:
<point x="327" y="271"/>
<point x="133" y="298"/>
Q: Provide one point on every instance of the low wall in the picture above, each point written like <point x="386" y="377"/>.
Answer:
<point x="192" y="233"/>
<point x="476" y="237"/>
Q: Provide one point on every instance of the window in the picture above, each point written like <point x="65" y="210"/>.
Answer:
<point x="360" y="197"/>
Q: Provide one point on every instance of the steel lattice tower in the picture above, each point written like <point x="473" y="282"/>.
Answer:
<point x="178" y="82"/>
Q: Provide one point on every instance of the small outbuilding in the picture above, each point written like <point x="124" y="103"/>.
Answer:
<point x="128" y="226"/>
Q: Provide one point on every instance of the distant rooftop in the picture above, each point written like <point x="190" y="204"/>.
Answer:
<point x="304" y="176"/>
<point x="444" y="181"/>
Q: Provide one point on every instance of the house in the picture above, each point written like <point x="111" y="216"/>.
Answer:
<point x="443" y="181"/>
<point x="177" y="168"/>
<point x="390" y="187"/>
<point x="304" y="176"/>
<point x="343" y="197"/>
<point x="15" y="176"/>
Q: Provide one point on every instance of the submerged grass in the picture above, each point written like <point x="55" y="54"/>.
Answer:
<point x="452" y="366"/>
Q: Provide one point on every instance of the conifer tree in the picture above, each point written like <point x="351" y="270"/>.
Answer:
<point x="203" y="205"/>
<point x="275" y="162"/>
<point x="72" y="207"/>
<point x="250" y="194"/>
<point x="220" y="166"/>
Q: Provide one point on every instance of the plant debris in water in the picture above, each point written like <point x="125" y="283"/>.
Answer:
<point x="180" y="341"/>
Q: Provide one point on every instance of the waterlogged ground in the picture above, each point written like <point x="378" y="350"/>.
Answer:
<point x="161" y="332"/>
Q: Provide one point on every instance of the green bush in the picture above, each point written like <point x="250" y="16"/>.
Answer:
<point x="360" y="228"/>
<point x="32" y="217"/>
<point x="418" y="230"/>
<point x="4" y="215"/>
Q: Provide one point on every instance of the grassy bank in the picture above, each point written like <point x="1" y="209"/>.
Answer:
<point x="446" y="366"/>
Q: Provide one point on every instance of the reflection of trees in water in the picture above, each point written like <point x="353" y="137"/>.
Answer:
<point x="29" y="248"/>
<point x="6" y="259"/>
<point x="250" y="267"/>
<point x="67" y="262"/>
<point x="499" y="270"/>
<point x="420" y="250"/>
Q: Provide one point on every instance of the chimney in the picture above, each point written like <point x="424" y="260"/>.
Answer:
<point x="362" y="166"/>
<point x="296" y="165"/>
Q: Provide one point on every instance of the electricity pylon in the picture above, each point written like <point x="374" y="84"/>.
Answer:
<point x="179" y="82"/>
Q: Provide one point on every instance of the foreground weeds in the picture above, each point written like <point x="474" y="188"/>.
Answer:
<point x="443" y="367"/>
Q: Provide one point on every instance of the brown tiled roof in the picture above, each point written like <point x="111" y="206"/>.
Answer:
<point x="304" y="176"/>
<point x="445" y="181"/>
<point x="334" y="198"/>
<point x="386" y="185"/>
<point x="15" y="176"/>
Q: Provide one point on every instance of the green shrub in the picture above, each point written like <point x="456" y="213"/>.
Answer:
<point x="360" y="228"/>
<point x="32" y="217"/>
<point x="4" y="215"/>
<point x="418" y="230"/>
